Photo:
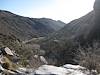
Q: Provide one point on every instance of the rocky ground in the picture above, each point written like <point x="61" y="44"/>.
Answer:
<point x="9" y="67"/>
<point x="67" y="69"/>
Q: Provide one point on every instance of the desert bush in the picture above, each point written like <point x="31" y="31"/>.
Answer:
<point x="89" y="59"/>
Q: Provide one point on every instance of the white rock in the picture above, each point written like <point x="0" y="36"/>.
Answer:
<point x="1" y="68"/>
<point x="43" y="60"/>
<point x="69" y="66"/>
<point x="68" y="70"/>
<point x="8" y="51"/>
<point x="36" y="56"/>
<point x="48" y="69"/>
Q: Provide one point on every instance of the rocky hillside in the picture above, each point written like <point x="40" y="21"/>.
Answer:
<point x="95" y="31"/>
<point x="84" y="29"/>
<point x="64" y="43"/>
<point x="80" y="32"/>
<point x="56" y="25"/>
<point x="76" y="27"/>
<point x="58" y="48"/>
<point x="26" y="28"/>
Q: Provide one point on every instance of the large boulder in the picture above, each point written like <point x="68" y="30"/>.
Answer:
<point x="67" y="69"/>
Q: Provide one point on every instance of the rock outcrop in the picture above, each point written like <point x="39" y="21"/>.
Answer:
<point x="95" y="32"/>
<point x="67" y="69"/>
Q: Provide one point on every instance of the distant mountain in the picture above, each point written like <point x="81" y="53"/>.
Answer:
<point x="26" y="28"/>
<point x="64" y="43"/>
<point x="85" y="29"/>
<point x="76" y="27"/>
<point x="80" y="32"/>
<point x="56" y="25"/>
<point x="88" y="29"/>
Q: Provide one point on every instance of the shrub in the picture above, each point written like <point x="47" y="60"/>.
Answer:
<point x="89" y="59"/>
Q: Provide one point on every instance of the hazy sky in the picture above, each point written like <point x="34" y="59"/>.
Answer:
<point x="65" y="10"/>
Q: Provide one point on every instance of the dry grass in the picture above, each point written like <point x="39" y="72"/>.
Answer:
<point x="88" y="59"/>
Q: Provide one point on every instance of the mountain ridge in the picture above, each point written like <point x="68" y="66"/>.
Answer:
<point x="83" y="32"/>
<point x="24" y="27"/>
